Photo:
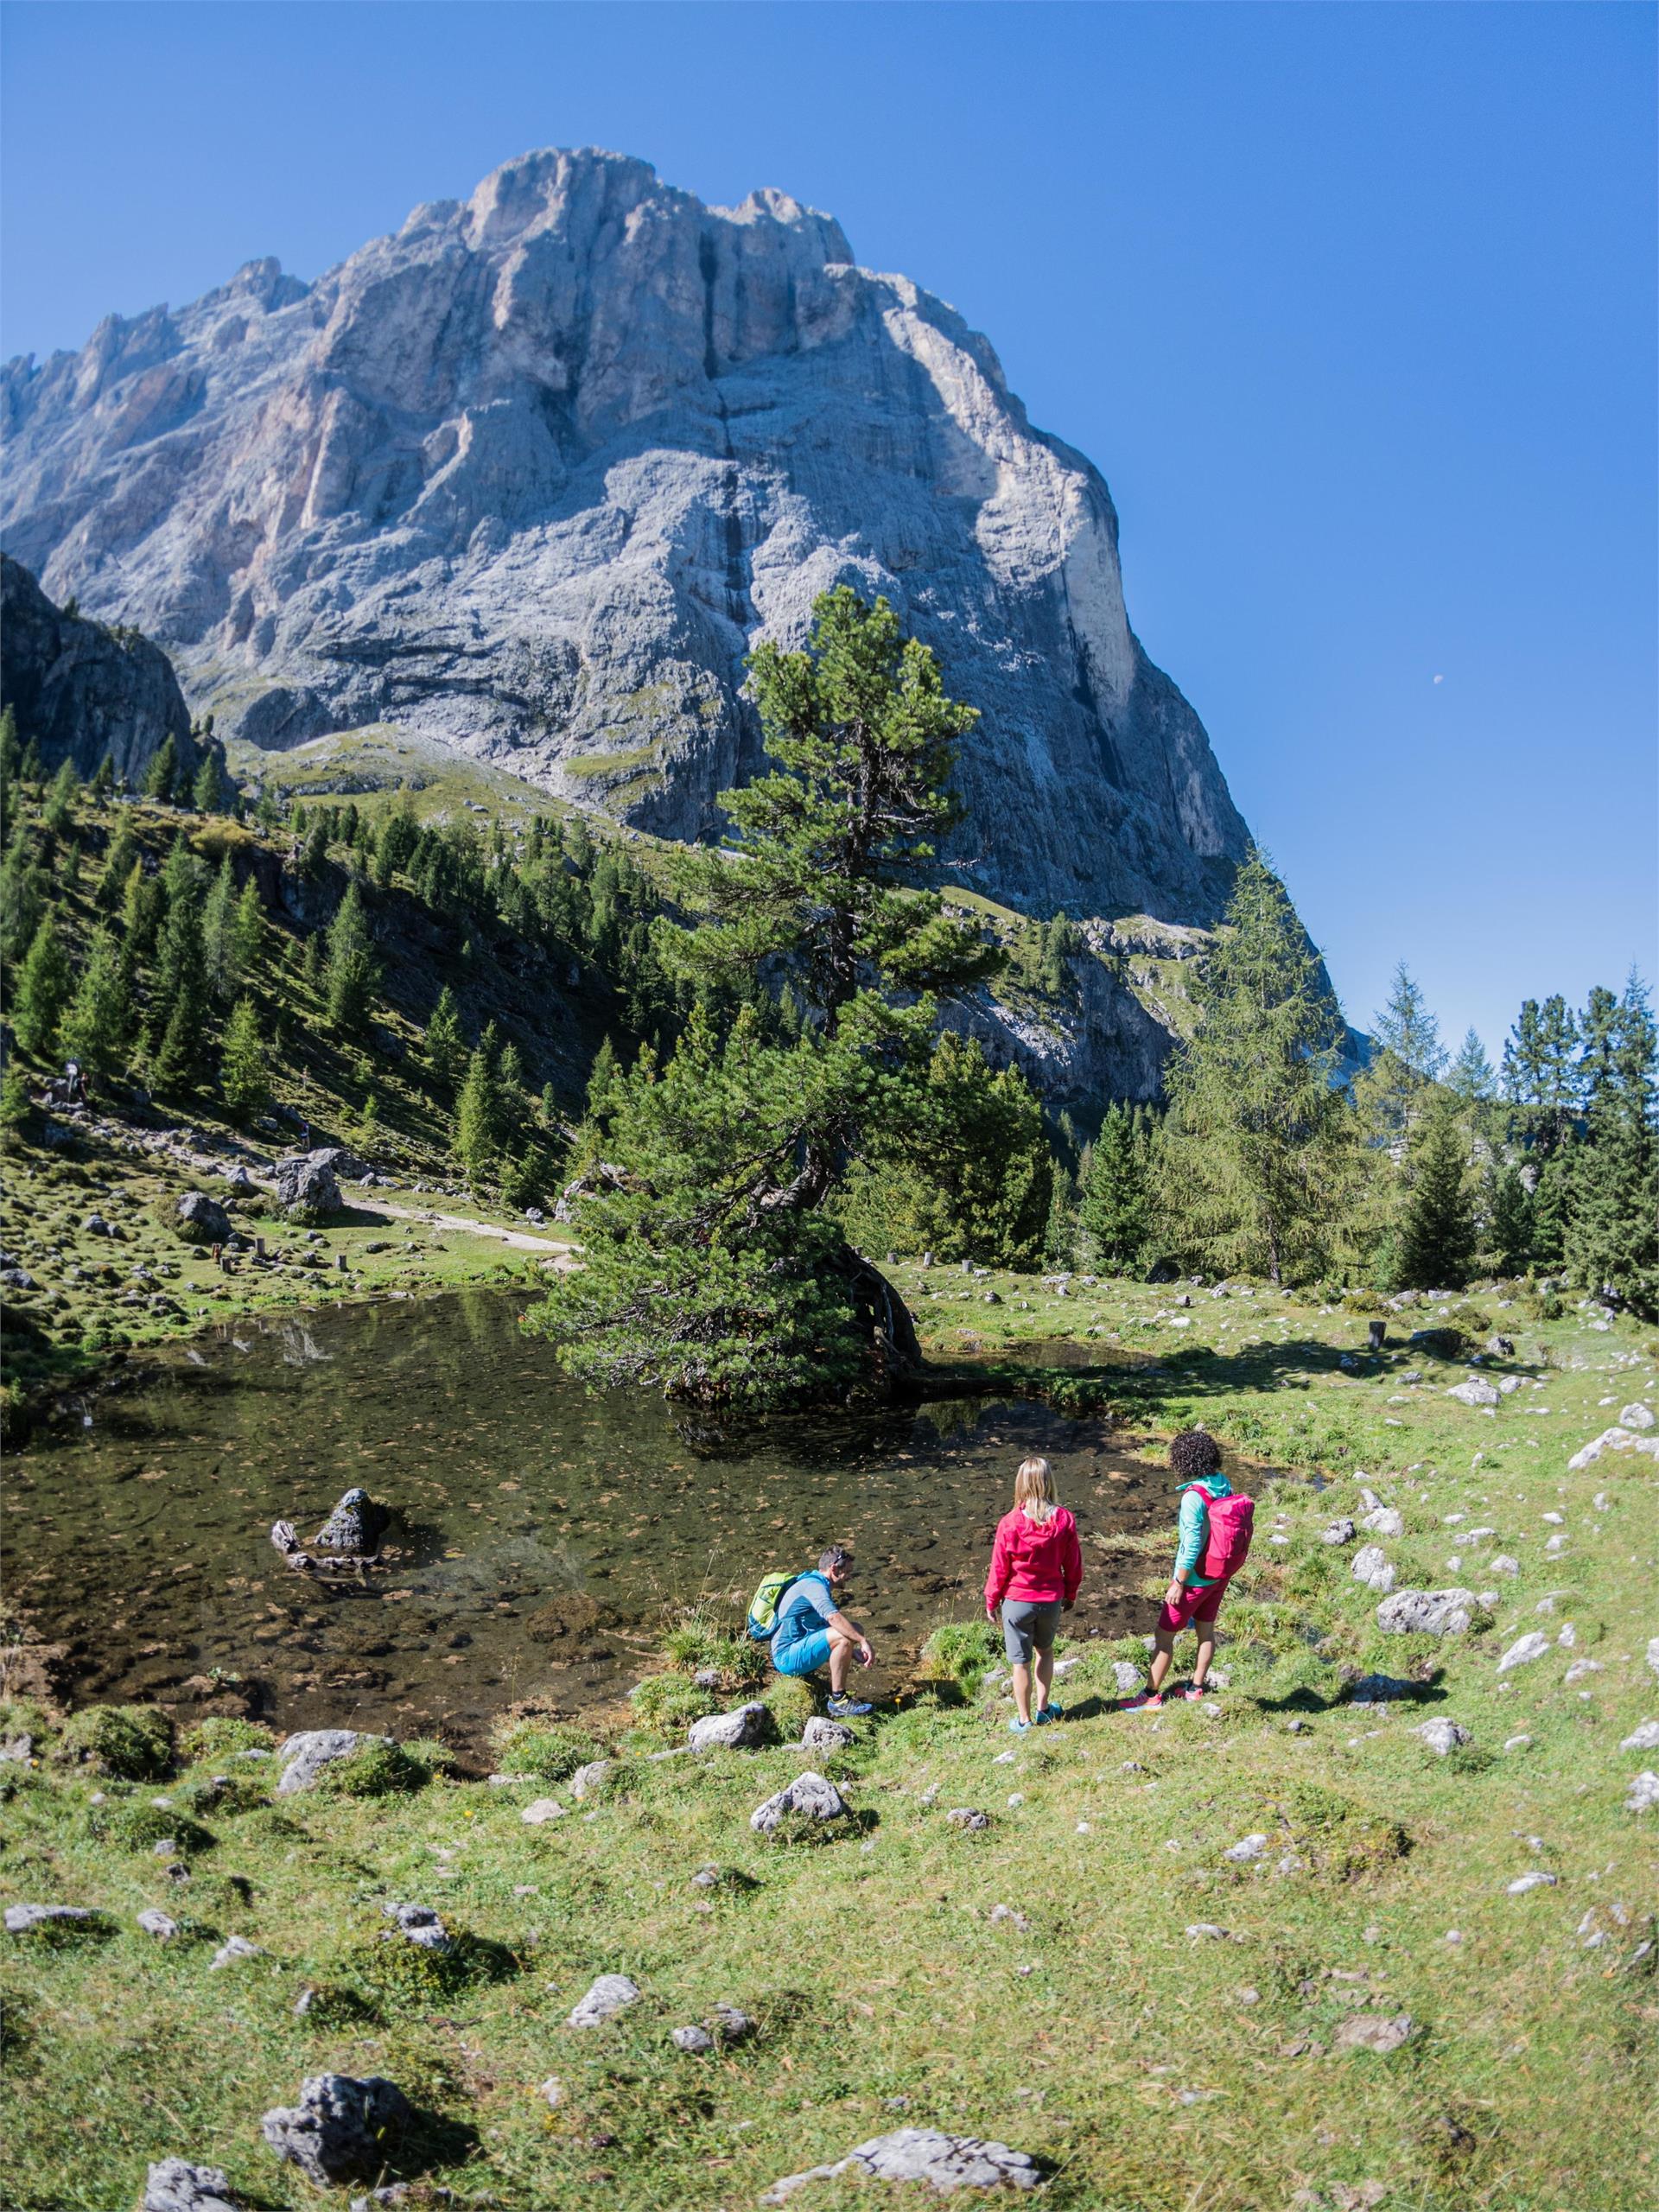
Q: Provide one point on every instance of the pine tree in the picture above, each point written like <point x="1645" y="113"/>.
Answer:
<point x="10" y="757"/>
<point x="179" y="1005"/>
<point x="1115" y="1214"/>
<point x="163" y="773"/>
<point x="183" y="876"/>
<point x="1408" y="1029"/>
<point x="219" y="934"/>
<point x="1060" y="1235"/>
<point x="117" y="866"/>
<point x="42" y="991"/>
<point x="248" y="933"/>
<point x="23" y="891"/>
<point x="143" y="903"/>
<point x="1437" y="1232"/>
<point x="98" y="1025"/>
<point x="445" y="1049"/>
<point x="16" y="1104"/>
<point x="602" y="1086"/>
<point x="243" y="1072"/>
<point x="311" y="962"/>
<point x="1512" y="1223"/>
<point x="350" y="974"/>
<point x="1612" y="1240"/>
<point x="478" y="1115"/>
<point x="1471" y="1074"/>
<point x="1256" y="1155"/>
<point x="103" y="781"/>
<point x="266" y="815"/>
<point x="207" y="792"/>
<point x="1550" y="1201"/>
<point x="314" y="854"/>
<point x="31" y="770"/>
<point x="57" y="814"/>
<point x="1540" y="1071"/>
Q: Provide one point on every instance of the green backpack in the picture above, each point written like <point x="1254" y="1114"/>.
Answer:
<point x="763" y="1607"/>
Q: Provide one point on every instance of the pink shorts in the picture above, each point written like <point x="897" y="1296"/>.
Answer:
<point x="1196" y="1605"/>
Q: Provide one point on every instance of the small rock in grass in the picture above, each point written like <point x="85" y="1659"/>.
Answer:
<point x="968" y="1817"/>
<point x="1643" y="1738"/>
<point x="1339" y="1532"/>
<point x="1371" y="1567"/>
<point x="1443" y="1737"/>
<point x="731" y="1731"/>
<point x="1474" y="1392"/>
<point x="610" y="1994"/>
<point x="333" y="2133"/>
<point x="1380" y="1689"/>
<point x="1126" y="1676"/>
<point x="302" y="1756"/>
<point x="730" y="2023"/>
<point x="1207" y="1928"/>
<point x="1427" y="1612"/>
<point x="1246" y="1847"/>
<point x="1637" y="1416"/>
<point x="822" y="1734"/>
<point x="1384" y="1520"/>
<point x="235" y="1947"/>
<point x="693" y="2039"/>
<point x="1378" y="2031"/>
<point x="551" y="2092"/>
<point x="161" y="1925"/>
<point x="21" y="1919"/>
<point x="1524" y="1650"/>
<point x="922" y="2154"/>
<point x="588" y="1781"/>
<point x="810" y="1796"/>
<point x="1535" y="1880"/>
<point x="1503" y="1563"/>
<point x="1580" y="1668"/>
<point x="180" y="2185"/>
<point x="1001" y="1914"/>
<point x="1518" y="1743"/>
<point x="1644" y="1793"/>
<point x="543" y="1809"/>
<point x="420" y="1925"/>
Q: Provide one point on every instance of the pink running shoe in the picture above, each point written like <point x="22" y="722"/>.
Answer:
<point x="1148" y="1702"/>
<point x="1194" y="1692"/>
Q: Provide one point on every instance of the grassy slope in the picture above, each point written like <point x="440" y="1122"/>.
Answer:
<point x="1158" y="2071"/>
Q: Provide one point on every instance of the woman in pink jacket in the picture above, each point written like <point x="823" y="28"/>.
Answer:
<point x="1036" y="1570"/>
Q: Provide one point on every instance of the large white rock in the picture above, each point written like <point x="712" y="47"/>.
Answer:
<point x="1618" y="1438"/>
<point x="610" y="1994"/>
<point x="810" y="1796"/>
<point x="1644" y="1793"/>
<point x="1637" y="1416"/>
<point x="1474" y="1392"/>
<point x="302" y="1756"/>
<point x="945" y="2163"/>
<point x="731" y="1731"/>
<point x="531" y="476"/>
<point x="1371" y="1567"/>
<point x="1427" y="1612"/>
<point x="1524" y="1650"/>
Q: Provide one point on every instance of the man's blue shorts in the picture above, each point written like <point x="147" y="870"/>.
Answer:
<point x="805" y="1656"/>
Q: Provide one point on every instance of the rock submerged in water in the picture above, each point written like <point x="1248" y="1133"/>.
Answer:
<point x="922" y="2154"/>
<point x="334" y="2133"/>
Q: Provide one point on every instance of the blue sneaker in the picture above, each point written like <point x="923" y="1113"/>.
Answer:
<point x="1017" y="1726"/>
<point x="1052" y="1712"/>
<point x="848" y="1708"/>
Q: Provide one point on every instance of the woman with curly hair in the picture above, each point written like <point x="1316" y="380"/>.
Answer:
<point x="1211" y="1538"/>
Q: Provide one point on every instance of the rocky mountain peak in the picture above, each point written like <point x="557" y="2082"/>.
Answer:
<point x="533" y="475"/>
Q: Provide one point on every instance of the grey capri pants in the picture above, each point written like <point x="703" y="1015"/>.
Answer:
<point x="1025" y="1623"/>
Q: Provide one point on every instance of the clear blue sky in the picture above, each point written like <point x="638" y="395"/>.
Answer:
<point x="1353" y="305"/>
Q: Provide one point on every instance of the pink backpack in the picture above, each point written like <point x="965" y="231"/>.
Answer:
<point x="1227" y="1536"/>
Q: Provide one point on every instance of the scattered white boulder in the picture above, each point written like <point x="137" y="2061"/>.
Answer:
<point x="1637" y="1416"/>
<point x="811" y="1796"/>
<point x="162" y="1925"/>
<point x="1525" y="1648"/>
<point x="1616" y="1439"/>
<point x="303" y="1756"/>
<point x="22" y="1919"/>
<point x="1377" y="2031"/>
<point x="1247" y="1848"/>
<point x="1644" y="1793"/>
<point x="234" y="1948"/>
<point x="1427" y="1612"/>
<point x="610" y="1994"/>
<point x="731" y="1731"/>
<point x="1443" y="1737"/>
<point x="180" y="2186"/>
<point x="822" y="1734"/>
<point x="1537" y="1879"/>
<point x="693" y="2039"/>
<point x="1503" y="1563"/>
<point x="588" y="1781"/>
<point x="542" y="1809"/>
<point x="1645" y="1737"/>
<point x="921" y="2154"/>
<point x="1371" y="1567"/>
<point x="1474" y="1392"/>
<point x="1384" y="1520"/>
<point x="1339" y="1532"/>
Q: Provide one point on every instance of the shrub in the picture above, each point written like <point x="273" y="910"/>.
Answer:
<point x="1338" y="1837"/>
<point x="791" y="1701"/>
<point x="141" y="1827"/>
<point x="334" y="2005"/>
<point x="961" y="1652"/>
<point x="698" y="1644"/>
<point x="221" y="1736"/>
<point x="396" y="1971"/>
<point x="544" y="1748"/>
<point x="668" y="1704"/>
<point x="132" y="1742"/>
<point x="374" y="1771"/>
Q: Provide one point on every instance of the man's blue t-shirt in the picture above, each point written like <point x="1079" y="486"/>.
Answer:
<point x="803" y="1608"/>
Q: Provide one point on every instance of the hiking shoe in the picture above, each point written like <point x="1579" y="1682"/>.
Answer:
<point x="1052" y="1712"/>
<point x="1017" y="1726"/>
<point x="848" y="1708"/>
<point x="1148" y="1702"/>
<point x="1195" y="1691"/>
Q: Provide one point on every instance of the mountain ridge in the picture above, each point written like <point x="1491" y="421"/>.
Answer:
<point x="532" y="474"/>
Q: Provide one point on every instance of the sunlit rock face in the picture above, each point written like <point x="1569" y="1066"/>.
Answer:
<point x="533" y="475"/>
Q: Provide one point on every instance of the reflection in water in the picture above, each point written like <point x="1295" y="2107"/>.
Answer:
<point x="544" y="1534"/>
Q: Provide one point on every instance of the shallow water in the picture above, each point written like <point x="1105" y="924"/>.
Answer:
<point x="544" y="1538"/>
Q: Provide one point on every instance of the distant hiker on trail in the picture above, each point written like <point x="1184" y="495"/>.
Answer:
<point x="800" y="1617"/>
<point x="1036" y="1572"/>
<point x="1212" y="1537"/>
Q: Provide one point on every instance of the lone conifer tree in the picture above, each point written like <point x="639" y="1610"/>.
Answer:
<point x="98" y="1025"/>
<point x="244" y="1072"/>
<point x="1256" y="1153"/>
<point x="163" y="773"/>
<point x="207" y="792"/>
<point x="478" y="1113"/>
<point x="219" y="934"/>
<point x="1437" y="1232"/>
<point x="248" y="933"/>
<point x="445" y="1050"/>
<point x="43" y="987"/>
<point x="349" y="973"/>
<point x="117" y="866"/>
<point x="58" y="812"/>
<point x="1115" y="1214"/>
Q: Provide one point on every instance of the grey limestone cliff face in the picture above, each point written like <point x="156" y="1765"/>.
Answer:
<point x="78" y="691"/>
<point x="534" y="474"/>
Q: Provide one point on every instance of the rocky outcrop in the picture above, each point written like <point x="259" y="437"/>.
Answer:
<point x="80" y="689"/>
<point x="532" y="475"/>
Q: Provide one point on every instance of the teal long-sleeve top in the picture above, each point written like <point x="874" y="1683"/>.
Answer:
<point x="1192" y="1528"/>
